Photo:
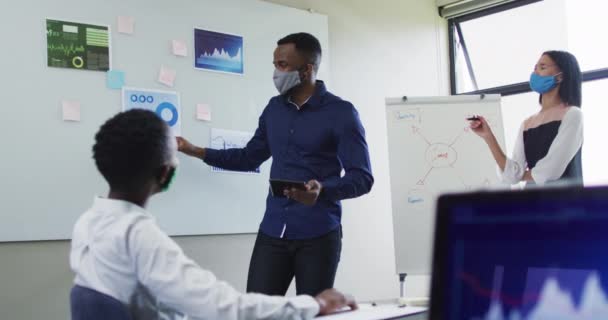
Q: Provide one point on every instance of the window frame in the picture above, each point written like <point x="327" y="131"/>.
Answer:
<point x="508" y="89"/>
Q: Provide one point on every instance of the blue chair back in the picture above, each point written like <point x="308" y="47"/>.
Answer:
<point x="88" y="304"/>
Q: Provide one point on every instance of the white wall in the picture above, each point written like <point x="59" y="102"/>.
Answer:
<point x="378" y="49"/>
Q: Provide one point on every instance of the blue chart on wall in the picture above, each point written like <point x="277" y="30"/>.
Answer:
<point x="164" y="103"/>
<point x="218" y="51"/>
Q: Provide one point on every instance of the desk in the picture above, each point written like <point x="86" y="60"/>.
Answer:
<point x="380" y="312"/>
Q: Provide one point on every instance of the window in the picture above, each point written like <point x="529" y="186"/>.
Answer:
<point x="494" y="51"/>
<point x="595" y="113"/>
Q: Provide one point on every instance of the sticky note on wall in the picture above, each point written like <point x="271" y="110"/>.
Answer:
<point x="179" y="48"/>
<point x="70" y="110"/>
<point x="166" y="76"/>
<point x="126" y="24"/>
<point x="203" y="112"/>
<point x="115" y="79"/>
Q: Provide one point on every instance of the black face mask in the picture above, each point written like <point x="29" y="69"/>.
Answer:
<point x="165" y="185"/>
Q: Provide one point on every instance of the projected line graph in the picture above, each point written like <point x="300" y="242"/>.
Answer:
<point x="66" y="50"/>
<point x="549" y="294"/>
<point x="494" y="293"/>
<point x="218" y="51"/>
<point x="222" y="139"/>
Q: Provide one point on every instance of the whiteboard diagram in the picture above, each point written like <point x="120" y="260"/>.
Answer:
<point x="433" y="151"/>
<point x="442" y="150"/>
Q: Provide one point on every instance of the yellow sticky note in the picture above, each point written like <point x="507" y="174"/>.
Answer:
<point x="70" y="110"/>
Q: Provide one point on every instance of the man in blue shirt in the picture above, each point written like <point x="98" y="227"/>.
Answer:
<point x="312" y="135"/>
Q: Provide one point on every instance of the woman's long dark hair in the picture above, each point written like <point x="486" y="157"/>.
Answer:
<point x="570" y="87"/>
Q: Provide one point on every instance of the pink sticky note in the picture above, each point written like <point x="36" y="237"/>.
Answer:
<point x="126" y="24"/>
<point x="166" y="76"/>
<point x="203" y="112"/>
<point x="71" y="110"/>
<point x="179" y="48"/>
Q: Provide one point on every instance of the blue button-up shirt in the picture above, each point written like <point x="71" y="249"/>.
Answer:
<point x="316" y="141"/>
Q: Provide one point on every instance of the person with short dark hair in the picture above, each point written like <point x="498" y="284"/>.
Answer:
<point x="118" y="250"/>
<point x="311" y="135"/>
<point x="548" y="147"/>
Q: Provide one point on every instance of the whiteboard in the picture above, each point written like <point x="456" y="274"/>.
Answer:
<point x="49" y="177"/>
<point x="431" y="151"/>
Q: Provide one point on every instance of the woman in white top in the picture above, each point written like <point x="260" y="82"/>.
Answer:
<point x="549" y="143"/>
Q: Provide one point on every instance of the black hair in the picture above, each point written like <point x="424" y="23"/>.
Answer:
<point x="131" y="148"/>
<point x="570" y="87"/>
<point x="307" y="45"/>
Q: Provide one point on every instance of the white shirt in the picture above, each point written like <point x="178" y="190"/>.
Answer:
<point x="564" y="147"/>
<point x="117" y="246"/>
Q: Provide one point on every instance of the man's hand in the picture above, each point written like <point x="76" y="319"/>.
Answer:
<point x="188" y="148"/>
<point x="309" y="196"/>
<point x="332" y="300"/>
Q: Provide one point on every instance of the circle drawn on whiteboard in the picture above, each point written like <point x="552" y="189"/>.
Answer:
<point x="441" y="155"/>
<point x="133" y="98"/>
<point x="171" y="108"/>
<point x="150" y="99"/>
<point x="78" y="62"/>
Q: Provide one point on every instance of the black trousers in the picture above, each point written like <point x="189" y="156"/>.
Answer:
<point x="274" y="263"/>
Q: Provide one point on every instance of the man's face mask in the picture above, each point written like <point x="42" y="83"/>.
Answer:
<point x="543" y="84"/>
<point x="286" y="80"/>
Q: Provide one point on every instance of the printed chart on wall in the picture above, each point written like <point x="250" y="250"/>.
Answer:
<point x="432" y="151"/>
<point x="229" y="139"/>
<point x="164" y="103"/>
<point x="76" y="45"/>
<point x="216" y="51"/>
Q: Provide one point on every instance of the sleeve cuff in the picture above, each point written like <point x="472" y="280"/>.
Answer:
<point x="512" y="173"/>
<point x="307" y="303"/>
<point x="328" y="190"/>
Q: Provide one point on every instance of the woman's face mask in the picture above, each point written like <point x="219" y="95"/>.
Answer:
<point x="543" y="84"/>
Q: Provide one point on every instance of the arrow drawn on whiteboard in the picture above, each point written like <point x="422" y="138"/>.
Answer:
<point x="422" y="181"/>
<point x="457" y="137"/>
<point x="416" y="130"/>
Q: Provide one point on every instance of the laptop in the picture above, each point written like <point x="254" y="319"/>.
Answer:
<point x="521" y="255"/>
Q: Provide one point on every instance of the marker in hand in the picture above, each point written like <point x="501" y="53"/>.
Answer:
<point x="473" y="118"/>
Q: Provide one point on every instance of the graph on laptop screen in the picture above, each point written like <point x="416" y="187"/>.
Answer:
<point x="530" y="256"/>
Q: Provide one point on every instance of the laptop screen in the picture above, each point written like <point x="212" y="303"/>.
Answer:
<point x="529" y="255"/>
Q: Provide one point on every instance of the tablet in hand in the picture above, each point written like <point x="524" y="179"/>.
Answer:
<point x="277" y="186"/>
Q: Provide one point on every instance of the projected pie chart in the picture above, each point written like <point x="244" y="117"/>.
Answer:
<point x="168" y="113"/>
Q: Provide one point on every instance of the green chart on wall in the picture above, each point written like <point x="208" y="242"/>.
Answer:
<point x="77" y="45"/>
